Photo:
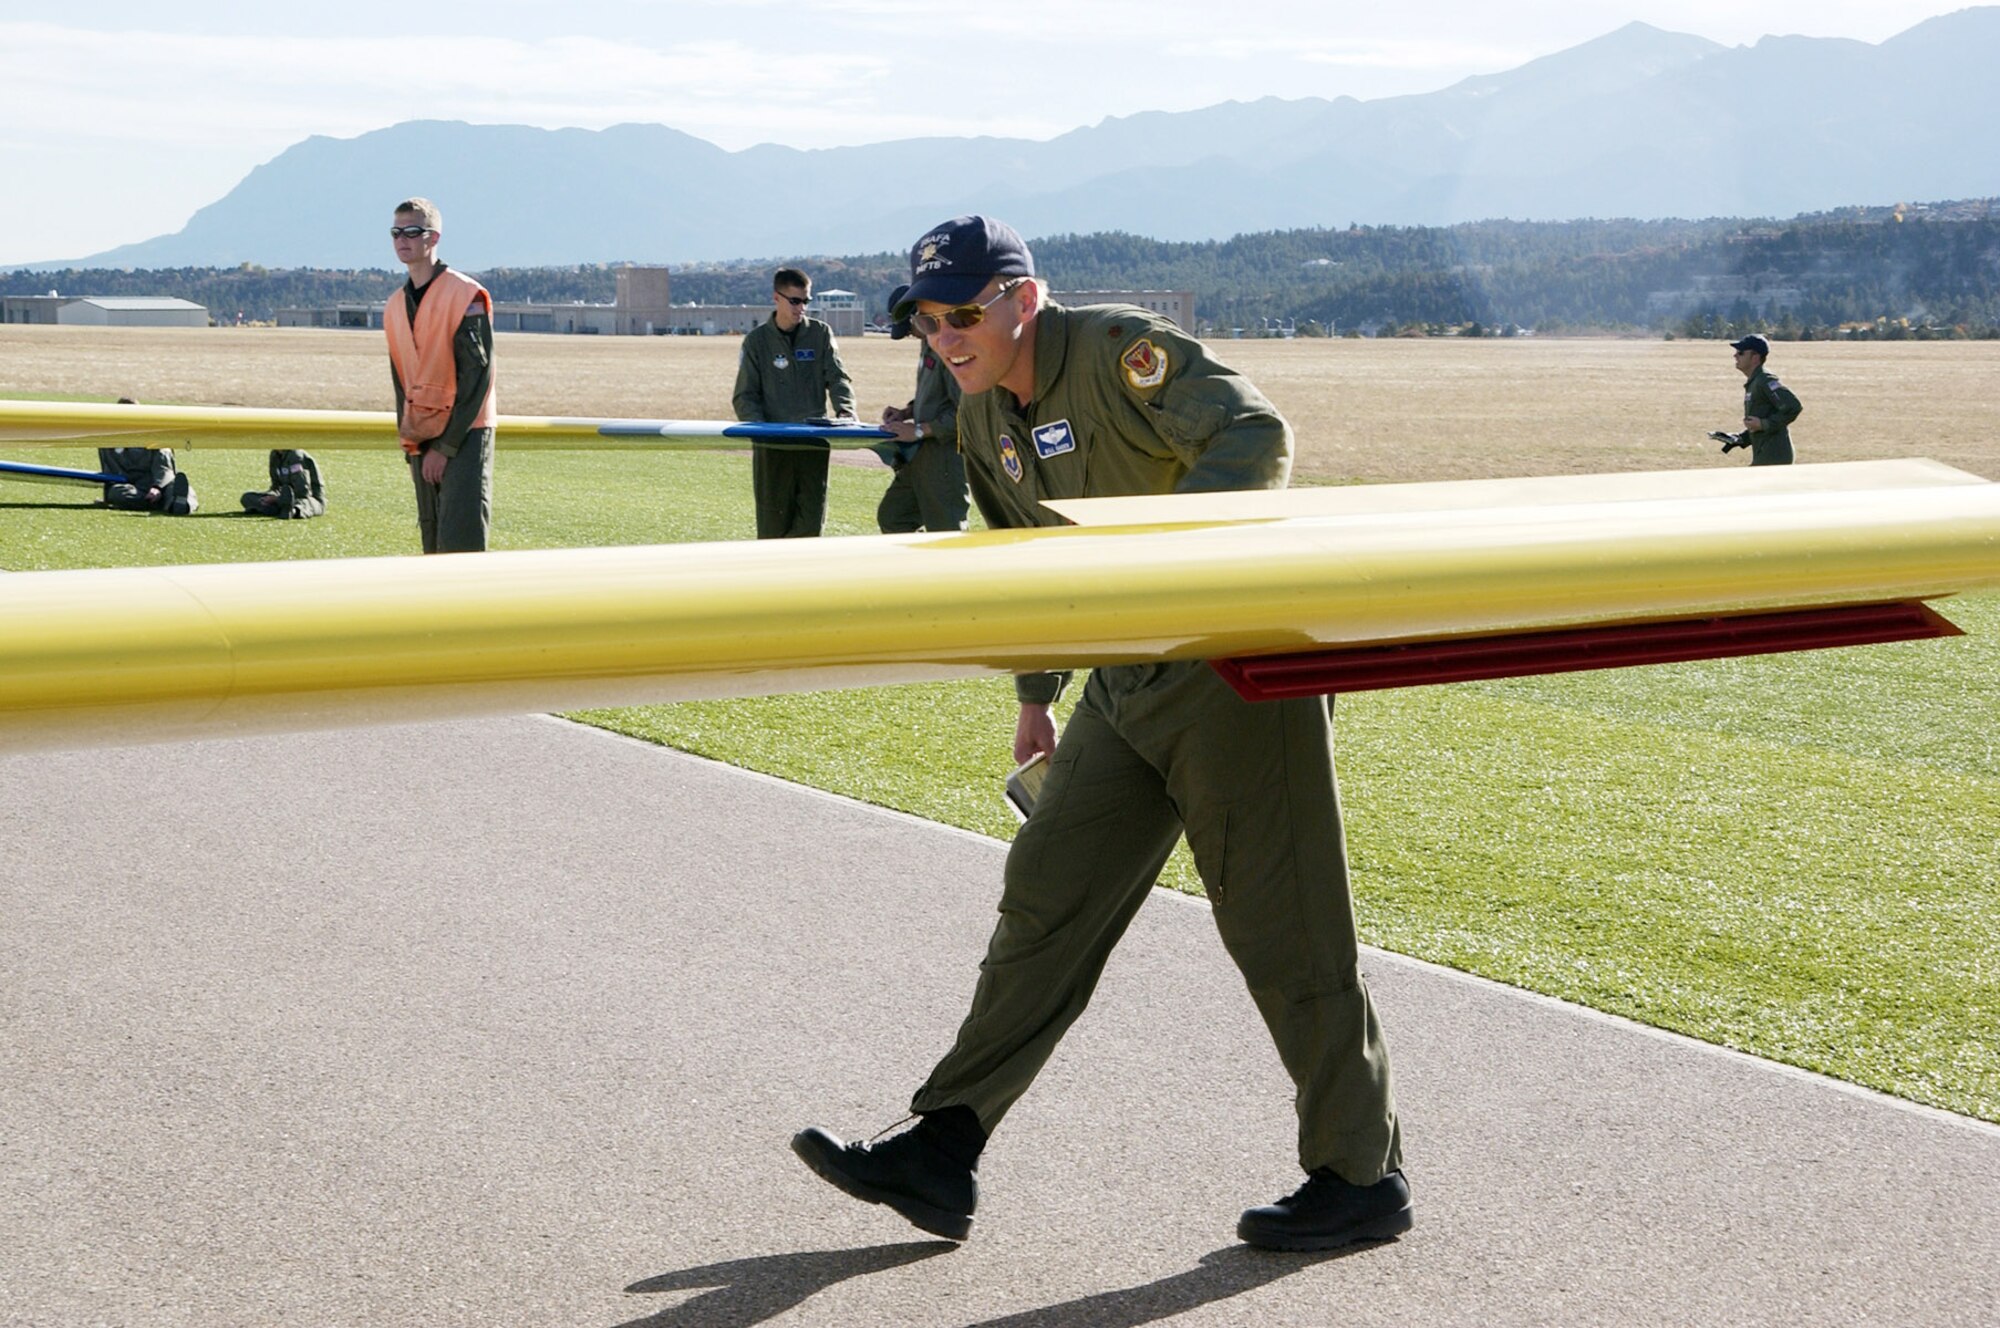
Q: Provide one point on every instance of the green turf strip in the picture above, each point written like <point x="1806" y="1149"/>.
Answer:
<point x="1793" y="855"/>
<point x="1809" y="904"/>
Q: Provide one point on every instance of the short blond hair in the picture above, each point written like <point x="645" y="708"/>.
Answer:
<point x="424" y="208"/>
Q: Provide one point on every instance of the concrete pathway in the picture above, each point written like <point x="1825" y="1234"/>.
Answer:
<point x="510" y="1022"/>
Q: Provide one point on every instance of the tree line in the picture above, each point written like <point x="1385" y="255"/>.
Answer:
<point x="1930" y="271"/>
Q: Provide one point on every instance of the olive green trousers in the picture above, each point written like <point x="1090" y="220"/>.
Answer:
<point x="453" y="514"/>
<point x="788" y="484"/>
<point x="1153" y="751"/>
<point x="928" y="493"/>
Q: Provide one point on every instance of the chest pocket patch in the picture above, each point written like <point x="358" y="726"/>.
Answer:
<point x="1054" y="439"/>
<point x="1010" y="460"/>
<point x="804" y="354"/>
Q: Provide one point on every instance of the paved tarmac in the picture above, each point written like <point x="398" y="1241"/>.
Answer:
<point x="509" y="1023"/>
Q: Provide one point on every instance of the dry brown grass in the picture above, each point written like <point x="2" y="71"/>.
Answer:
<point x="1364" y="410"/>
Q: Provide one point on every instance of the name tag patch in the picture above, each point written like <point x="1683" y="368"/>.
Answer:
<point x="1010" y="460"/>
<point x="1054" y="439"/>
<point x="805" y="353"/>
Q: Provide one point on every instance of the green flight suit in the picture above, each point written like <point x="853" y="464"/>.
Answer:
<point x="928" y="491"/>
<point x="296" y="492"/>
<point x="1767" y="399"/>
<point x="142" y="470"/>
<point x="1125" y="403"/>
<point x="787" y="378"/>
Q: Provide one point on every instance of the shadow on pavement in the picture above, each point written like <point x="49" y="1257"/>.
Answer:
<point x="1227" y="1272"/>
<point x="751" y="1291"/>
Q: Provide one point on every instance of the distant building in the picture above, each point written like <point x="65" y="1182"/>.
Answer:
<point x="1175" y="305"/>
<point x="642" y="308"/>
<point x="642" y="301"/>
<point x="717" y="320"/>
<point x="102" y="310"/>
<point x="132" y="311"/>
<point x="333" y="315"/>
<point x="31" y="308"/>
<point x="840" y="310"/>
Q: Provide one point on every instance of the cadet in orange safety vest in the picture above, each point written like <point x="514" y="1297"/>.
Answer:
<point x="440" y="329"/>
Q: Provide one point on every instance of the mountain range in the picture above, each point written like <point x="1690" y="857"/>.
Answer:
<point x="1639" y="123"/>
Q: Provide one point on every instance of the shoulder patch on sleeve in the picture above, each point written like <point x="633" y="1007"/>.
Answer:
<point x="1145" y="364"/>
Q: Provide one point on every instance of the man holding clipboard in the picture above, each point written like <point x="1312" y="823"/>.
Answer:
<point x="1099" y="402"/>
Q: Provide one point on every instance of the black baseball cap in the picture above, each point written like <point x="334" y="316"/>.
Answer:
<point x="1752" y="342"/>
<point x="900" y="327"/>
<point x="955" y="259"/>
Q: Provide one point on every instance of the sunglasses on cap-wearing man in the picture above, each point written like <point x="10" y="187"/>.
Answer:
<point x="962" y="316"/>
<point x="409" y="232"/>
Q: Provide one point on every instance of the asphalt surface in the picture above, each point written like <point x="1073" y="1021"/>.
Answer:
<point x="509" y="1023"/>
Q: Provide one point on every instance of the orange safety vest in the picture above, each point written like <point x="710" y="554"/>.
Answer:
<point x="423" y="360"/>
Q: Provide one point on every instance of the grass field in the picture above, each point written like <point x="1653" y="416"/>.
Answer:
<point x="1797" y="856"/>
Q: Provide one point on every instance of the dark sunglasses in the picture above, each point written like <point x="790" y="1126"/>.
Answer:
<point x="961" y="317"/>
<point x="797" y="301"/>
<point x="409" y="232"/>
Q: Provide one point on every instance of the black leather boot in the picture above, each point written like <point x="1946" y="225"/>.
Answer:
<point x="1327" y="1212"/>
<point x="909" y="1172"/>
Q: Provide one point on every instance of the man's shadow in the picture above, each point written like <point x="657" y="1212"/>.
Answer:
<point x="747" y="1292"/>
<point x="1229" y="1271"/>
<point x="752" y="1291"/>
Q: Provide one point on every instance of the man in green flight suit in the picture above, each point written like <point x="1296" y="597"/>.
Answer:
<point x="1097" y="402"/>
<point x="789" y="371"/>
<point x="1768" y="405"/>
<point x="148" y="481"/>
<point x="296" y="491"/>
<point x="928" y="491"/>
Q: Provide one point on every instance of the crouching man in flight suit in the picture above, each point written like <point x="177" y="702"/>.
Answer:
<point x="928" y="491"/>
<point x="147" y="479"/>
<point x="150" y="482"/>
<point x="295" y="492"/>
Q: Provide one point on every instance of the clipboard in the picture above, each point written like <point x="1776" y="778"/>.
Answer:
<point x="1024" y="784"/>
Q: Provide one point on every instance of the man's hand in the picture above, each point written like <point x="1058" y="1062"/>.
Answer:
<point x="1034" y="731"/>
<point x="1751" y="424"/>
<point x="433" y="465"/>
<point x="894" y="415"/>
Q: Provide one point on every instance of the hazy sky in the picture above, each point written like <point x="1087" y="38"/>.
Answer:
<point x="119" y="119"/>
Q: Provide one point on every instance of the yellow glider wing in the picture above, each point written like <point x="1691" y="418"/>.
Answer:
<point x="161" y="653"/>
<point x="101" y="424"/>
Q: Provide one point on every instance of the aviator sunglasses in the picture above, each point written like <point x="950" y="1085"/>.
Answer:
<point x="408" y="232"/>
<point x="962" y="317"/>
